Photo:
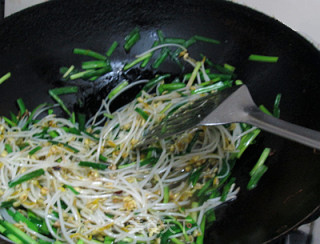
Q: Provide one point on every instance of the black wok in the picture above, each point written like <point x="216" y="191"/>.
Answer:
<point x="36" y="42"/>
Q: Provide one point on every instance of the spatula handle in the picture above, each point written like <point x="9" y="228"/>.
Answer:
<point x="284" y="129"/>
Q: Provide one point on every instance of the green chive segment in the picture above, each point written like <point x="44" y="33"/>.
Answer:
<point x="26" y="177"/>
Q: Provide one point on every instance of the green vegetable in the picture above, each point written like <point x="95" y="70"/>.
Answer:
<point x="142" y="113"/>
<point x="94" y="64"/>
<point x="132" y="39"/>
<point x="226" y="189"/>
<point x="54" y="93"/>
<point x="72" y="189"/>
<point x="276" y="106"/>
<point x="246" y="140"/>
<point x="21" y="106"/>
<point x="26" y="177"/>
<point x="265" y="110"/>
<point x="90" y="53"/>
<point x="193" y="141"/>
<point x="214" y="87"/>
<point x="261" y="161"/>
<point x="25" y="238"/>
<point x="118" y="88"/>
<point x="93" y="165"/>
<point x="179" y="41"/>
<point x="202" y="229"/>
<point x="166" y="194"/>
<point x="206" y="39"/>
<point x="155" y="81"/>
<point x="8" y="148"/>
<point x="7" y="204"/>
<point x="33" y="151"/>
<point x="256" y="177"/>
<point x="261" y="58"/>
<point x="146" y="61"/>
<point x="194" y="74"/>
<point x="112" y="48"/>
<point x="171" y="87"/>
<point x="151" y="160"/>
<point x="68" y="71"/>
<point x="162" y="57"/>
<point x="5" y="77"/>
<point x="138" y="60"/>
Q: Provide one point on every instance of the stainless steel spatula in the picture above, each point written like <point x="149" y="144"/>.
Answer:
<point x="228" y="106"/>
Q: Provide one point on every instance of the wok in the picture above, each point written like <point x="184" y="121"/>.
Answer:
<point x="36" y="42"/>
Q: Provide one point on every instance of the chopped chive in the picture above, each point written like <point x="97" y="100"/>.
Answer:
<point x="174" y="40"/>
<point x="103" y="158"/>
<point x="142" y="113"/>
<point x="150" y="160"/>
<point x="226" y="189"/>
<point x="206" y="39"/>
<point x="93" y="165"/>
<point x="126" y="165"/>
<point x="177" y="241"/>
<point x="21" y="106"/>
<point x="246" y="140"/>
<point x="53" y="134"/>
<point x="256" y="177"/>
<point x="113" y="47"/>
<point x="262" y="58"/>
<point x="25" y="238"/>
<point x="50" y="111"/>
<point x="118" y="88"/>
<point x="189" y="42"/>
<point x="171" y="87"/>
<point x="67" y="73"/>
<point x="131" y="39"/>
<point x="8" y="148"/>
<point x="65" y="90"/>
<point x="90" y="53"/>
<point x="13" y="238"/>
<point x="155" y="81"/>
<point x="13" y="118"/>
<point x="276" y="107"/>
<point x="265" y="110"/>
<point x="7" y="204"/>
<point x="94" y="64"/>
<point x="136" y="61"/>
<point x="9" y="122"/>
<point x="80" y="74"/>
<point x="26" y="177"/>
<point x="160" y="36"/>
<point x="193" y="141"/>
<point x="166" y="194"/>
<point x="33" y="151"/>
<point x="229" y="67"/>
<point x="31" y="115"/>
<point x="72" y="189"/>
<point x="81" y="121"/>
<point x="55" y="96"/>
<point x="200" y="238"/>
<point x="194" y="177"/>
<point x="166" y="108"/>
<point x="164" y="54"/>
<point x="146" y="61"/>
<point x="2" y="229"/>
<point x="261" y="160"/>
<point x="194" y="215"/>
<point x="5" y="77"/>
<point x="205" y="187"/>
<point x="108" y="116"/>
<point x="17" y="216"/>
<point x="194" y="74"/>
<point x="73" y="118"/>
<point x="217" y="86"/>
<point x="238" y="82"/>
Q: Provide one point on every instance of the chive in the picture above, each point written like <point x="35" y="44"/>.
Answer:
<point x="126" y="165"/>
<point x="13" y="118"/>
<point x="17" y="216"/>
<point x="26" y="177"/>
<point x="13" y="238"/>
<point x="276" y="108"/>
<point x="194" y="177"/>
<point x="194" y="74"/>
<point x="8" y="148"/>
<point x="80" y="242"/>
<point x="73" y="118"/>
<point x="109" y="116"/>
<point x="205" y="187"/>
<point x="21" y="106"/>
<point x="31" y="115"/>
<point x="229" y="67"/>
<point x="164" y="54"/>
<point x="189" y="42"/>
<point x="80" y="74"/>
<point x="33" y="151"/>
<point x="50" y="111"/>
<point x="262" y="58"/>
<point x="9" y="122"/>
<point x="155" y="81"/>
<point x="68" y="71"/>
<point x="25" y="238"/>
<point x="226" y="189"/>
<point x="217" y="86"/>
<point x="142" y="113"/>
<point x="246" y="140"/>
<point x="66" y="145"/>
<point x="193" y="141"/>
<point x="265" y="110"/>
<point x="256" y="177"/>
<point x="90" y="53"/>
<point x="2" y="229"/>
<point x="94" y="64"/>
<point x="93" y="165"/>
<point x="5" y="77"/>
<point x="118" y="88"/>
<point x="146" y="61"/>
<point x="165" y="109"/>
<point x="59" y="101"/>
<point x="194" y="215"/>
<point x="171" y="87"/>
<point x="7" y="204"/>
<point x="202" y="228"/>
<point x="131" y="39"/>
<point x="91" y="135"/>
<point x="210" y="216"/>
<point x="166" y="194"/>
<point x="206" y="39"/>
<point x="238" y="82"/>
<point x="150" y="160"/>
<point x="176" y="241"/>
<point x="65" y="90"/>
<point x="113" y="47"/>
<point x="53" y="134"/>
<point x="81" y="121"/>
<point x="103" y="158"/>
<point x="160" y="36"/>
<point x="261" y="160"/>
<point x="72" y="189"/>
<point x="136" y="61"/>
<point x="175" y="41"/>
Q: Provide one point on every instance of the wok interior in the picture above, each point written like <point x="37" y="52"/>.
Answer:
<point x="36" y="42"/>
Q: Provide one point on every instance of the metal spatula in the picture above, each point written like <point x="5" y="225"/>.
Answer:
<point x="228" y="106"/>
